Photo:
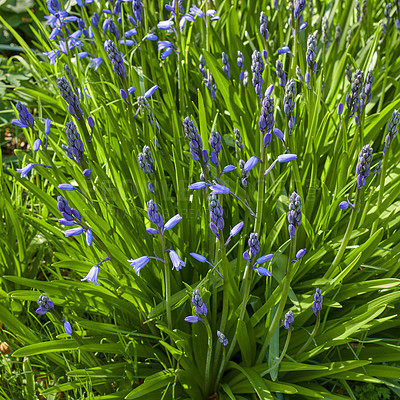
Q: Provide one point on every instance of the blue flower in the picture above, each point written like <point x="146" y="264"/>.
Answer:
<point x="73" y="232"/>
<point x="197" y="185"/>
<point x="262" y="271"/>
<point x="25" y="171"/>
<point x="177" y="263"/>
<point x="318" y="299"/>
<point x="197" y="301"/>
<point x="151" y="91"/>
<point x="234" y="231"/>
<point x="139" y="263"/>
<point x="222" y="339"/>
<point x="45" y="304"/>
<point x="25" y="118"/>
<point x="264" y="259"/>
<point x="95" y="63"/>
<point x="172" y="222"/>
<point x="228" y="168"/>
<point x="288" y="319"/>
<point x="89" y="237"/>
<point x="251" y="163"/>
<point x="93" y="275"/>
<point x="193" y="319"/>
<point x="219" y="189"/>
<point x="67" y="328"/>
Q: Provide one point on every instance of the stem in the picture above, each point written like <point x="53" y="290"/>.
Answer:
<point x="260" y="193"/>
<point x="285" y="291"/>
<point x="209" y="354"/>
<point x="311" y="337"/>
<point x="346" y="238"/>
<point x="167" y="283"/>
<point x="239" y="199"/>
<point x="381" y="188"/>
<point x="285" y="347"/>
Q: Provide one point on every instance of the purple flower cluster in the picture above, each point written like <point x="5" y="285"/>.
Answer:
<point x="115" y="57"/>
<point x="146" y="161"/>
<point x="318" y="299"/>
<point x="195" y="142"/>
<point x="225" y="61"/>
<point x="289" y="103"/>
<point x="75" y="148"/>
<point x="363" y="167"/>
<point x="266" y="121"/>
<point x="199" y="306"/>
<point x="69" y="96"/>
<point x="280" y="73"/>
<point x="311" y="53"/>
<point x="25" y="118"/>
<point x="240" y="60"/>
<point x="294" y="214"/>
<point x="288" y="320"/>
<point x="263" y="26"/>
<point x="217" y="213"/>
<point x="257" y="67"/>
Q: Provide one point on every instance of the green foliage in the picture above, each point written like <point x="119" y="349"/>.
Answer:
<point x="130" y="339"/>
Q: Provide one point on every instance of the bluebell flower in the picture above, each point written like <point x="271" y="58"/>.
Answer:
<point x="266" y="121"/>
<point x="240" y="60"/>
<point x="197" y="185"/>
<point x="302" y="27"/>
<point x="294" y="214"/>
<point x="318" y="299"/>
<point x="195" y="142"/>
<point x="288" y="320"/>
<point x="93" y="275"/>
<point x="139" y="263"/>
<point x="67" y="328"/>
<point x="216" y="211"/>
<point x="311" y="53"/>
<point x="289" y="102"/>
<point x="225" y="61"/>
<point x="280" y="74"/>
<point x="299" y="255"/>
<point x="177" y="263"/>
<point x="151" y="36"/>
<point x="363" y="167"/>
<point x="137" y="8"/>
<point x="73" y="232"/>
<point x="214" y="229"/>
<point x="263" y="26"/>
<point x="197" y="301"/>
<point x="254" y="244"/>
<point x="257" y="67"/>
<point x="115" y="57"/>
<point x="193" y="319"/>
<point x="172" y="222"/>
<point x="222" y="339"/>
<point x="219" y="189"/>
<point x="151" y="91"/>
<point x="284" y="50"/>
<point x="154" y="216"/>
<point x="146" y="161"/>
<point x="238" y="139"/>
<point x="299" y="8"/>
<point x="393" y="124"/>
<point x="262" y="271"/>
<point x="28" y="168"/>
<point x="36" y="145"/>
<point x="264" y="259"/>
<point x="227" y="168"/>
<point x="95" y="63"/>
<point x="25" y="118"/>
<point x="251" y="163"/>
<point x="281" y="158"/>
<point x="45" y="305"/>
<point x="75" y="148"/>
<point x="89" y="237"/>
